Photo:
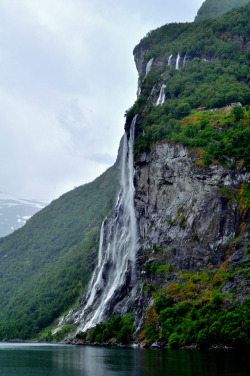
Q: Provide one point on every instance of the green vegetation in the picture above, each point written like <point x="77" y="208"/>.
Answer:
<point x="219" y="135"/>
<point x="192" y="310"/>
<point x="215" y="8"/>
<point x="117" y="329"/>
<point x="195" y="312"/>
<point x="61" y="334"/>
<point x="204" y="324"/>
<point x="222" y="38"/>
<point x="218" y="74"/>
<point x="46" y="265"/>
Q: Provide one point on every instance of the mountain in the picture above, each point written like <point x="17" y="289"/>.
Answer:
<point x="191" y="198"/>
<point x="169" y="265"/>
<point x="15" y="212"/>
<point x="215" y="8"/>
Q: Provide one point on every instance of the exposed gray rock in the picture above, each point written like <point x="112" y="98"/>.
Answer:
<point x="144" y="345"/>
<point x="140" y="53"/>
<point x="181" y="208"/>
<point x="159" y="344"/>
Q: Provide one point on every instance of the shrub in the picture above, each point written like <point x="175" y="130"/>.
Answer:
<point x="183" y="110"/>
<point x="174" y="341"/>
<point x="182" y="308"/>
<point x="167" y="313"/>
<point x="206" y="159"/>
<point x="163" y="302"/>
<point x="203" y="339"/>
<point x="167" y="329"/>
<point x="107" y="335"/>
<point x="81" y="335"/>
<point x="238" y="113"/>
<point x="151" y="332"/>
<point x="98" y="338"/>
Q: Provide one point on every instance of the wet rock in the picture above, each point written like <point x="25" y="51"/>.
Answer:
<point x="159" y="344"/>
<point x="144" y="345"/>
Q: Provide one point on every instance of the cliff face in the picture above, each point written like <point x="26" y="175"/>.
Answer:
<point x="191" y="218"/>
<point x="175" y="200"/>
<point x="185" y="217"/>
<point x="188" y="204"/>
<point x="188" y="214"/>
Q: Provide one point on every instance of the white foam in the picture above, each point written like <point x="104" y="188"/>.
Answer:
<point x="161" y="98"/>
<point x="149" y="66"/>
<point x="118" y="246"/>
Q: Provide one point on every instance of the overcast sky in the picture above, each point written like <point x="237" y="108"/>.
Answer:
<point x="67" y="75"/>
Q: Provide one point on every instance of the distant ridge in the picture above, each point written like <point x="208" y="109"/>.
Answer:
<point x="216" y="8"/>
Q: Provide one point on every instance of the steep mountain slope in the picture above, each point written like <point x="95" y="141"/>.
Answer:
<point x="216" y="8"/>
<point x="15" y="212"/>
<point x="191" y="201"/>
<point x="192" y="192"/>
<point x="45" y="265"/>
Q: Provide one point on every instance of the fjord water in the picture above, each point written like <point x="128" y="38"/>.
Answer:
<point x="60" y="360"/>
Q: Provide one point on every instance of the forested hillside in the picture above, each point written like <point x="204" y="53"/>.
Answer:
<point x="45" y="265"/>
<point x="216" y="8"/>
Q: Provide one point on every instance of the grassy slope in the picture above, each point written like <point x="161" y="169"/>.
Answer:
<point x="46" y="264"/>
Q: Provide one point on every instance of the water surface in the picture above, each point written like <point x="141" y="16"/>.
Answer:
<point x="60" y="360"/>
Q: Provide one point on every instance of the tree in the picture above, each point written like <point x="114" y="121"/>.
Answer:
<point x="182" y="110"/>
<point x="238" y="112"/>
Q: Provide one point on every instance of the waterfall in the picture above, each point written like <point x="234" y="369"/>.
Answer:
<point x="184" y="61"/>
<point x="161" y="98"/>
<point x="170" y="60"/>
<point x="149" y="66"/>
<point x="153" y="90"/>
<point x="138" y="91"/>
<point x="115" y="273"/>
<point x="178" y="61"/>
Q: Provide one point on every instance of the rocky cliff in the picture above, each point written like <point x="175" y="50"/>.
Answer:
<point x="192" y="218"/>
<point x="182" y="208"/>
<point x="192" y="233"/>
<point x="187" y="220"/>
<point x="189" y="193"/>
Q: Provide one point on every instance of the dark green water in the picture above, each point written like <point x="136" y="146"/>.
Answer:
<point x="49" y="360"/>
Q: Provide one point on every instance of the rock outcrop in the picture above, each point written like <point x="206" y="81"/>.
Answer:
<point x="182" y="207"/>
<point x="187" y="221"/>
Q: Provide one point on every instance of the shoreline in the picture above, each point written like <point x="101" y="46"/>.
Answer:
<point x="141" y="346"/>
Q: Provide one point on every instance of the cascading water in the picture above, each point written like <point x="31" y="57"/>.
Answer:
<point x="149" y="66"/>
<point x="138" y="91"/>
<point x="115" y="273"/>
<point x="178" y="61"/>
<point x="170" y="60"/>
<point x="161" y="98"/>
<point x="184" y="61"/>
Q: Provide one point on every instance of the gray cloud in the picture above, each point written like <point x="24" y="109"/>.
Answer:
<point x="67" y="76"/>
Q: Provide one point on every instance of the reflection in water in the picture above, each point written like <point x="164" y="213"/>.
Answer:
<point x="49" y="360"/>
